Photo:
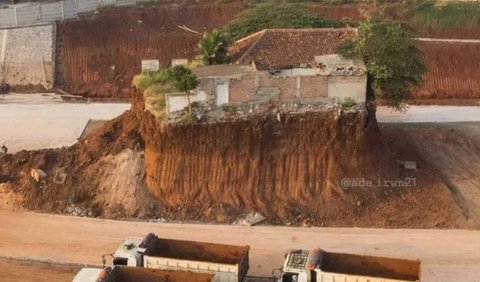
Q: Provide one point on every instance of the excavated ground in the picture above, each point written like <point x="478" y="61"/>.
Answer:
<point x="453" y="149"/>
<point x="290" y="171"/>
<point x="28" y="271"/>
<point x="99" y="55"/>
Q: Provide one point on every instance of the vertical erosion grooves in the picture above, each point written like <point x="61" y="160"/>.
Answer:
<point x="257" y="163"/>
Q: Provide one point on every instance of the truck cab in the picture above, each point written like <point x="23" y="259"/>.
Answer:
<point x="89" y="275"/>
<point x="129" y="253"/>
<point x="298" y="266"/>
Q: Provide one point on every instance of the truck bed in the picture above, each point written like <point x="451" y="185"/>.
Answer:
<point x="195" y="251"/>
<point x="387" y="268"/>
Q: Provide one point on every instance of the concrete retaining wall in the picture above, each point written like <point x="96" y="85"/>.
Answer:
<point x="27" y="56"/>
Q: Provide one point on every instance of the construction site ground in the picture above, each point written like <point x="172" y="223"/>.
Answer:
<point x="29" y="271"/>
<point x="39" y="121"/>
<point x="447" y="255"/>
<point x="446" y="194"/>
<point x="453" y="149"/>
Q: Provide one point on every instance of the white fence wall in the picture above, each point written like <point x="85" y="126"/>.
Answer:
<point x="41" y="13"/>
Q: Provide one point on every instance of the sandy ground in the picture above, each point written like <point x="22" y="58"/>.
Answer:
<point x="452" y="148"/>
<point x="447" y="255"/>
<point x="37" y="121"/>
<point x="430" y="114"/>
<point x="29" y="271"/>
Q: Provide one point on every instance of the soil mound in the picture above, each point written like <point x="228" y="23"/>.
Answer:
<point x="104" y="175"/>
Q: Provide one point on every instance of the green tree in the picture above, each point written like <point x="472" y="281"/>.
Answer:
<point x="393" y="61"/>
<point x="213" y="48"/>
<point x="184" y="81"/>
<point x="275" y="15"/>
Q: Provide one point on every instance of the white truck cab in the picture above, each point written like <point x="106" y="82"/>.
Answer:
<point x="88" y="275"/>
<point x="129" y="253"/>
<point x="298" y="266"/>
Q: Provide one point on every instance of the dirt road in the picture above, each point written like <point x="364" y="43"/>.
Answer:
<point x="35" y="121"/>
<point x="452" y="148"/>
<point x="416" y="114"/>
<point x="29" y="271"/>
<point x="447" y="255"/>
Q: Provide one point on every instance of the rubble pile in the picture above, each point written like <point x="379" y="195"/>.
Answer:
<point x="204" y="113"/>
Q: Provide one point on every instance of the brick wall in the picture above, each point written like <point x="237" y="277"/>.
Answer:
<point x="241" y="89"/>
<point x="287" y="85"/>
<point x="290" y="88"/>
<point x="295" y="88"/>
<point x="313" y="86"/>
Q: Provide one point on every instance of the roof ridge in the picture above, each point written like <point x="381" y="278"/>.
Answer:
<point x="250" y="36"/>
<point x="263" y="32"/>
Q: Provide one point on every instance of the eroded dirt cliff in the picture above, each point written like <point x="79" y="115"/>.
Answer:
<point x="289" y="168"/>
<point x="261" y="163"/>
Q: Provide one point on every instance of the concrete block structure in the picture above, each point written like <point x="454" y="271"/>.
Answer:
<point x="27" y="56"/>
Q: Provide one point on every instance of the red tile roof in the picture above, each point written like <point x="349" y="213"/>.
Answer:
<point x="285" y="48"/>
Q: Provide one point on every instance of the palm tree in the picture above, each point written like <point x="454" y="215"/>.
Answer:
<point x="213" y="48"/>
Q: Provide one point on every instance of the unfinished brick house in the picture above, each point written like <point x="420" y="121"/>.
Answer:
<point x="287" y="65"/>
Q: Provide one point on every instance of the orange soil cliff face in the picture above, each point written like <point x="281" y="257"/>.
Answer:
<point x="256" y="164"/>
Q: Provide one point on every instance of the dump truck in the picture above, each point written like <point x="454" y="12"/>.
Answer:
<point x="321" y="266"/>
<point x="229" y="263"/>
<point x="140" y="274"/>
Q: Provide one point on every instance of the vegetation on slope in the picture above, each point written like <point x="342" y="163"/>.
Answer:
<point x="275" y="15"/>
<point x="450" y="15"/>
<point x="156" y="84"/>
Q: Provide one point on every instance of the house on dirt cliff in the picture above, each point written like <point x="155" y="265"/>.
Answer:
<point x="297" y="66"/>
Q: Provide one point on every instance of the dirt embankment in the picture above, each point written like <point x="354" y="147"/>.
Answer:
<point x="452" y="71"/>
<point x="289" y="170"/>
<point x="454" y="150"/>
<point x="100" y="55"/>
<point x="261" y="164"/>
<point x="104" y="175"/>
